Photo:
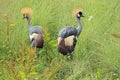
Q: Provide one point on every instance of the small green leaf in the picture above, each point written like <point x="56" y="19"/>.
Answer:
<point x="32" y="74"/>
<point x="22" y="74"/>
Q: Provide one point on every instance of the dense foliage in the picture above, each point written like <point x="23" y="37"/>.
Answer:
<point x="96" y="56"/>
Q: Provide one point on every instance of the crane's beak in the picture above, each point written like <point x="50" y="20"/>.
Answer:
<point x="82" y="16"/>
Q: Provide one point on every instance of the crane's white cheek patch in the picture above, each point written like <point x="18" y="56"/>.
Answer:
<point x="31" y="37"/>
<point x="69" y="40"/>
<point x="59" y="39"/>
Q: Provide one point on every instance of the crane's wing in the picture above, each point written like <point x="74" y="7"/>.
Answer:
<point x="67" y="31"/>
<point x="35" y="29"/>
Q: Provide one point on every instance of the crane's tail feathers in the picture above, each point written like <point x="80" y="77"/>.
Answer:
<point x="76" y="11"/>
<point x="26" y="11"/>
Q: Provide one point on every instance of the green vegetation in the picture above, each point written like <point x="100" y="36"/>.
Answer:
<point x="97" y="53"/>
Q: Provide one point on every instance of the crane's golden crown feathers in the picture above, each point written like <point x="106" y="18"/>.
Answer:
<point x="76" y="11"/>
<point x="26" y="11"/>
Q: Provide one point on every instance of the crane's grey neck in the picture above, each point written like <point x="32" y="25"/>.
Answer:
<point x="79" y="28"/>
<point x="28" y="24"/>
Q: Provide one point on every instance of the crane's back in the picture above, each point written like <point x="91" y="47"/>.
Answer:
<point x="35" y="29"/>
<point x="68" y="31"/>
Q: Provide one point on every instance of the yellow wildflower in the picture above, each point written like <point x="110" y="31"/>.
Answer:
<point x="5" y="14"/>
<point x="12" y="25"/>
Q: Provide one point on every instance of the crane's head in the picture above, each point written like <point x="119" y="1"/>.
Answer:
<point x="25" y="16"/>
<point x="26" y="12"/>
<point x="78" y="13"/>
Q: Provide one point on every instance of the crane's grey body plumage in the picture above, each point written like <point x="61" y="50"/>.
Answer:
<point x="79" y="28"/>
<point x="33" y="29"/>
<point x="71" y="30"/>
<point x="67" y="31"/>
<point x="67" y="37"/>
<point x="35" y="33"/>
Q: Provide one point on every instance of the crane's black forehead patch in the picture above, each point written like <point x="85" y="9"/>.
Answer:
<point x="80" y="13"/>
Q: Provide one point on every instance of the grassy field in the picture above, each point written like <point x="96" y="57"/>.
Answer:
<point x="97" y="53"/>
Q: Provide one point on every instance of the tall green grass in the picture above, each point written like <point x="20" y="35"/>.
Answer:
<point x="96" y="56"/>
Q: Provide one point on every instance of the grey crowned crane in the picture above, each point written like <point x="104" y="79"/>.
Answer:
<point x="35" y="32"/>
<point x="67" y="37"/>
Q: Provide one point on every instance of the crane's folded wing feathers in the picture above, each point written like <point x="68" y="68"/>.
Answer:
<point x="35" y="29"/>
<point x="67" y="31"/>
